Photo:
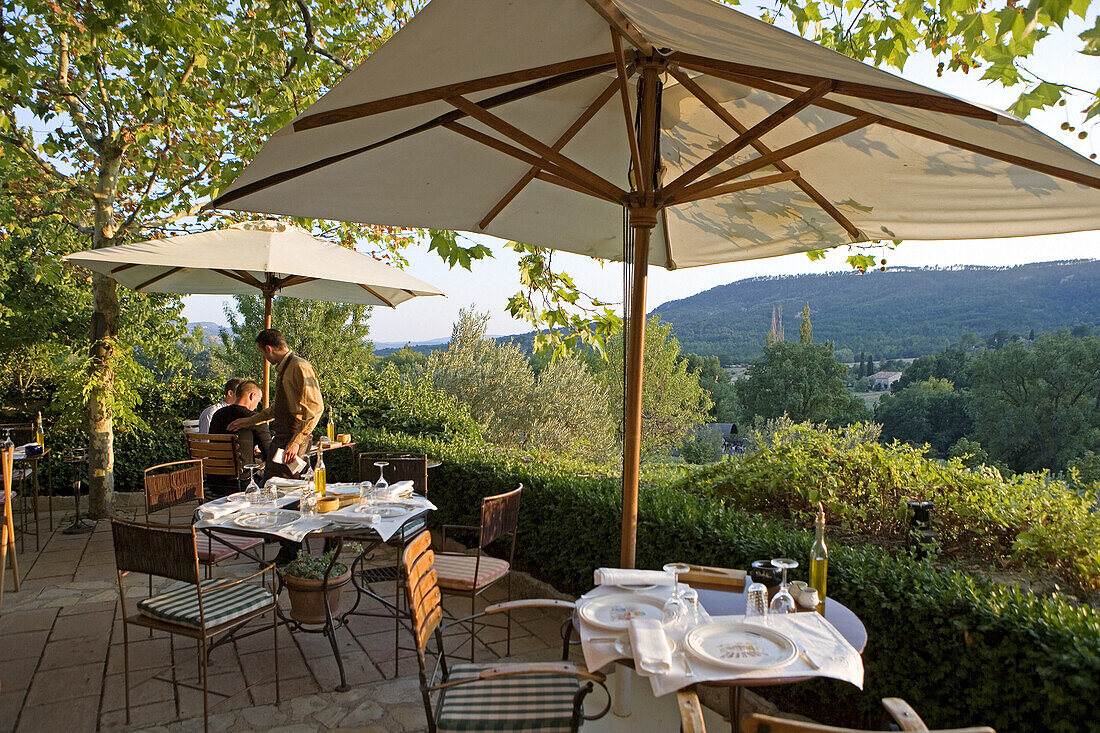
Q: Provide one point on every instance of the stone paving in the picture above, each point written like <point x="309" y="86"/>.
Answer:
<point x="61" y="667"/>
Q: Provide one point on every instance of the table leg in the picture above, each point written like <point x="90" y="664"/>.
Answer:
<point x="37" y="543"/>
<point x="623" y="678"/>
<point x="736" y="693"/>
<point x="330" y="626"/>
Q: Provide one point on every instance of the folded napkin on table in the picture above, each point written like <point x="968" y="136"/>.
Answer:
<point x="217" y="511"/>
<point x="650" y="645"/>
<point x="619" y="576"/>
<point x="296" y="531"/>
<point x="285" y="483"/>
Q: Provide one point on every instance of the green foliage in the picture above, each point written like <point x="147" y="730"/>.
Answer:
<point x="804" y="381"/>
<point x="703" y="446"/>
<point x="1035" y="406"/>
<point x="873" y="313"/>
<point x="565" y="410"/>
<point x="1027" y="520"/>
<point x="970" y="453"/>
<point x="716" y="380"/>
<point x="333" y="337"/>
<point x="408" y="361"/>
<point x="673" y="402"/>
<point x="955" y="647"/>
<point x="930" y="412"/>
<point x="313" y="567"/>
<point x="391" y="400"/>
<point x="949" y="364"/>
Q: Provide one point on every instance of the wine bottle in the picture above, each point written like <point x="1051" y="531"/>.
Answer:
<point x="331" y="427"/>
<point x="319" y="474"/>
<point x="40" y="432"/>
<point x="819" y="558"/>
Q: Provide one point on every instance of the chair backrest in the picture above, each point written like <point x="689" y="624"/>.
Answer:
<point x="499" y="516"/>
<point x="220" y="454"/>
<point x="403" y="467"/>
<point x="153" y="549"/>
<point x="171" y="484"/>
<point x="190" y="426"/>
<point x="422" y="590"/>
<point x="21" y="432"/>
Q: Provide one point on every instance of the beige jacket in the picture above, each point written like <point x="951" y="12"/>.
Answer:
<point x="298" y="404"/>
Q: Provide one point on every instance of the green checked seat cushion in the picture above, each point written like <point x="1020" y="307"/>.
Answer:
<point x="181" y="605"/>
<point x="409" y="530"/>
<point x="534" y="702"/>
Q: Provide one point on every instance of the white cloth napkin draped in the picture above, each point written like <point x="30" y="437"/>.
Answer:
<point x="297" y="530"/>
<point x="386" y="527"/>
<point x="650" y="646"/>
<point x="621" y="576"/>
<point x="219" y="510"/>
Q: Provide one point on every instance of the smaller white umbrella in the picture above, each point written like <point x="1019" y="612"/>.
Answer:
<point x="266" y="256"/>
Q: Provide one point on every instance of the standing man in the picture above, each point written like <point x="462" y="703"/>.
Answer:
<point x="208" y="414"/>
<point x="297" y="407"/>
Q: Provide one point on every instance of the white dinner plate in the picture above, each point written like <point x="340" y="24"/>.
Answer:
<point x="637" y="587"/>
<point x="265" y="520"/>
<point x="740" y="646"/>
<point x="343" y="489"/>
<point x="615" y="610"/>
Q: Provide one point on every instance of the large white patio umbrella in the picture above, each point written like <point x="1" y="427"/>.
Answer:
<point x="269" y="257"/>
<point x="738" y="141"/>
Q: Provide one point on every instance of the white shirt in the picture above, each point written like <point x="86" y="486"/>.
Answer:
<point x="208" y="415"/>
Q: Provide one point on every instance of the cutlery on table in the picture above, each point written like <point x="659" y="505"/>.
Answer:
<point x="806" y="655"/>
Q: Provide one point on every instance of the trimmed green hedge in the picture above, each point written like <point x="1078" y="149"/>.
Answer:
<point x="961" y="650"/>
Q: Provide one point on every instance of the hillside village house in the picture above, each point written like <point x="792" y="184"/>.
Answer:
<point x="883" y="380"/>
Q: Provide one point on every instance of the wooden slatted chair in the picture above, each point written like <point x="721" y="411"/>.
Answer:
<point x="180" y="483"/>
<point x="220" y="456"/>
<point x="212" y="612"/>
<point x="7" y="530"/>
<point x="691" y="719"/>
<point x="489" y="697"/>
<point x="472" y="575"/>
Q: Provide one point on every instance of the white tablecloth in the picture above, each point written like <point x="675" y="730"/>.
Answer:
<point x="838" y="659"/>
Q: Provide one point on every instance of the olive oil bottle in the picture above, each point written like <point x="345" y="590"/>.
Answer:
<point x="819" y="559"/>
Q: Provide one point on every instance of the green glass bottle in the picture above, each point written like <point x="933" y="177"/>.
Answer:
<point x="819" y="559"/>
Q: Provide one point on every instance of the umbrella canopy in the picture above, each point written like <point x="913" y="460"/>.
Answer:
<point x="737" y="141"/>
<point x="259" y="256"/>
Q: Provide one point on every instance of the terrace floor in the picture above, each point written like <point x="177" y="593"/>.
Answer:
<point x="61" y="662"/>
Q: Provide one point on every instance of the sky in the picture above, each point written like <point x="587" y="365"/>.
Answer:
<point x="491" y="282"/>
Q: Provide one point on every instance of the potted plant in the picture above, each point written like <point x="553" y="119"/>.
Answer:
<point x="304" y="578"/>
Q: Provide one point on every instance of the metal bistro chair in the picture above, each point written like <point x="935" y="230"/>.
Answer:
<point x="691" y="719"/>
<point x="7" y="530"/>
<point x="546" y="696"/>
<point x="472" y="575"/>
<point x="180" y="483"/>
<point x="21" y="434"/>
<point x="209" y="611"/>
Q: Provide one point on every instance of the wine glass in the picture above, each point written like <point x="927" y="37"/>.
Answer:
<point x="252" y="492"/>
<point x="309" y="501"/>
<point x="675" y="569"/>
<point x="366" y="497"/>
<point x="7" y="439"/>
<point x="381" y="484"/>
<point x="783" y="602"/>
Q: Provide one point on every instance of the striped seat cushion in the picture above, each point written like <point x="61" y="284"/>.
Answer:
<point x="212" y="550"/>
<point x="457" y="571"/>
<point x="536" y="702"/>
<point x="412" y="529"/>
<point x="180" y="605"/>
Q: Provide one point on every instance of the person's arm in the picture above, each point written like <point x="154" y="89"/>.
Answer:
<point x="305" y="387"/>
<point x="262" y="437"/>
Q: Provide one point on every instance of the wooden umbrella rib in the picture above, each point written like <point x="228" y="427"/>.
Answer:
<point x="400" y="101"/>
<point x="376" y="294"/>
<point x="615" y="18"/>
<point x="735" y="187"/>
<point x="234" y="276"/>
<point x="526" y="157"/>
<point x="512" y="95"/>
<point x="249" y="278"/>
<point x="548" y="177"/>
<point x="512" y="132"/>
<point x="589" y="112"/>
<point x="170" y="271"/>
<point x="293" y="280"/>
<point x="1065" y="174"/>
<point x="795" y="148"/>
<point x="765" y="125"/>
<point x="903" y="98"/>
<point x="122" y="268"/>
<point x="670" y="264"/>
<point x="723" y="114"/>
<point x="621" y="77"/>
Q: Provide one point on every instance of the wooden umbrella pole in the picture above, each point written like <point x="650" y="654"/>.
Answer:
<point x="269" y="294"/>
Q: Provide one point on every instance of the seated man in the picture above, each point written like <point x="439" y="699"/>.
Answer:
<point x="208" y="414"/>
<point x="253" y="441"/>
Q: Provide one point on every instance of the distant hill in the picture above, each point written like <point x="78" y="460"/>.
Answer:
<point x="211" y="331"/>
<point x="385" y="348"/>
<point x="902" y="312"/>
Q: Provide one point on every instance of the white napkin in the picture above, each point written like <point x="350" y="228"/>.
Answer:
<point x="298" y="529"/>
<point x="620" y="576"/>
<point x="285" y="483"/>
<point x="217" y="511"/>
<point x="650" y="645"/>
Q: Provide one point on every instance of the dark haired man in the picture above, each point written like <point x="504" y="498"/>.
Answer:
<point x="208" y="414"/>
<point x="297" y="407"/>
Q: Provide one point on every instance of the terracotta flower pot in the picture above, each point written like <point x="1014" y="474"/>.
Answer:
<point x="307" y="603"/>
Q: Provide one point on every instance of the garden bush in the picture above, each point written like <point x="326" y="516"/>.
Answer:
<point x="961" y="650"/>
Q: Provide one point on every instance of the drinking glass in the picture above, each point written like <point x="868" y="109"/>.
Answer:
<point x="7" y="439"/>
<point x="756" y="603"/>
<point x="694" y="612"/>
<point x="783" y="602"/>
<point x="309" y="501"/>
<point x="252" y="492"/>
<point x="381" y="484"/>
<point x="675" y="569"/>
<point x="366" y="497"/>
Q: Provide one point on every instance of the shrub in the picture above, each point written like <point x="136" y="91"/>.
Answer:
<point x="957" y="648"/>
